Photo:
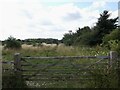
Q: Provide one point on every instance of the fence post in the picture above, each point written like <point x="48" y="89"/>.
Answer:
<point x="17" y="65"/>
<point x="113" y="58"/>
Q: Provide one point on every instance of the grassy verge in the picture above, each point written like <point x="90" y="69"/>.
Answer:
<point x="64" y="69"/>
<point x="55" y="51"/>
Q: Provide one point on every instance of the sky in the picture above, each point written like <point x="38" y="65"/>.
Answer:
<point x="25" y="19"/>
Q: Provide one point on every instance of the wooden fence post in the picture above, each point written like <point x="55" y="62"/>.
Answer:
<point x="118" y="72"/>
<point x="113" y="58"/>
<point x="17" y="64"/>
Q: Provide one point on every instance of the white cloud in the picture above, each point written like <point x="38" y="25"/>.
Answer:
<point x="98" y="4"/>
<point x="31" y="19"/>
<point x="114" y="14"/>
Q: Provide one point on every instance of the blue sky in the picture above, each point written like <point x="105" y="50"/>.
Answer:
<point x="110" y="5"/>
<point x="50" y="18"/>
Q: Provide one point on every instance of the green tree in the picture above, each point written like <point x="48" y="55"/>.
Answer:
<point x="103" y="26"/>
<point x="94" y="36"/>
<point x="77" y="38"/>
<point x="12" y="43"/>
<point x="68" y="38"/>
<point x="83" y="36"/>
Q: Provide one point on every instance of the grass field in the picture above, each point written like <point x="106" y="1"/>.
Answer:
<point x="63" y="70"/>
<point x="60" y="50"/>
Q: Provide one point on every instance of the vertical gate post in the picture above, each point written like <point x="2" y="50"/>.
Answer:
<point x="113" y="58"/>
<point x="17" y="65"/>
<point x="118" y="72"/>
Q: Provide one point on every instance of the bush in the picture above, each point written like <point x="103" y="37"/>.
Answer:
<point x="11" y="80"/>
<point x="112" y="40"/>
<point x="114" y="35"/>
<point x="107" y="78"/>
<point x="12" y="43"/>
<point x="113" y="45"/>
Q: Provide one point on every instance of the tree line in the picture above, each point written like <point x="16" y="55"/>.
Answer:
<point x="13" y="43"/>
<point x="100" y="33"/>
<point x="106" y="33"/>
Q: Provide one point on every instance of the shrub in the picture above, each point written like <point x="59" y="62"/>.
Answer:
<point x="113" y="45"/>
<point x="12" y="43"/>
<point x="114" y="35"/>
<point x="11" y="80"/>
<point x="112" y="40"/>
<point x="107" y="78"/>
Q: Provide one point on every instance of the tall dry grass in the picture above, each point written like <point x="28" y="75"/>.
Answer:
<point x="60" y="50"/>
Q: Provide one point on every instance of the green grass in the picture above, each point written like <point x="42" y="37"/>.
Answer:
<point x="55" y="51"/>
<point x="62" y="67"/>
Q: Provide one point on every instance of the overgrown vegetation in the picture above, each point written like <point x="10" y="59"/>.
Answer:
<point x="61" y="51"/>
<point x="11" y="80"/>
<point x="86" y="41"/>
<point x="12" y="43"/>
<point x="112" y="40"/>
<point x="93" y="36"/>
<point x="104" y="77"/>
